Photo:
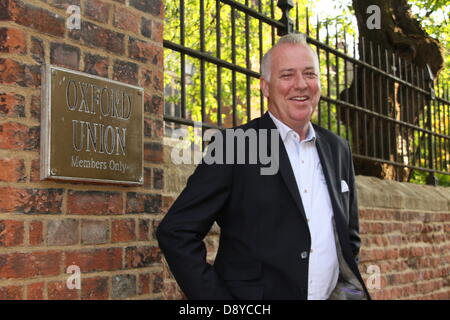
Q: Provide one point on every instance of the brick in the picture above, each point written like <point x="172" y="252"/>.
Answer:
<point x="155" y="224"/>
<point x="37" y="50"/>
<point x="143" y="203"/>
<point x="416" y="252"/>
<point x="12" y="105"/>
<point x="145" y="52"/>
<point x="123" y="286"/>
<point x="96" y="288"/>
<point x="146" y="27"/>
<point x="157" y="282"/>
<point x="35" y="107"/>
<point x="58" y="290"/>
<point x="11" y="293"/>
<point x="125" y="71"/>
<point x="62" y="232"/>
<point x="13" y="136"/>
<point x="13" y="41"/>
<point x="148" y="132"/>
<point x="16" y="73"/>
<point x="11" y="233"/>
<point x="94" y="231"/>
<point x="123" y="230"/>
<point x="33" y="17"/>
<point x="94" y="202"/>
<point x="147" y="177"/>
<point x="126" y="20"/>
<point x="97" y="37"/>
<point x="95" y="64"/>
<point x="36" y="236"/>
<point x="33" y="142"/>
<point x="154" y="7"/>
<point x="95" y="260"/>
<point x="158" y="178"/>
<point x="144" y="283"/>
<point x="5" y="14"/>
<point x="30" y="201"/>
<point x="35" y="291"/>
<point x="153" y="152"/>
<point x="12" y="170"/>
<point x="142" y="257"/>
<point x="158" y="81"/>
<point x="146" y="78"/>
<point x="35" y="170"/>
<point x="167" y="203"/>
<point x="153" y="104"/>
<point x="158" y="32"/>
<point x="64" y="55"/>
<point x="27" y="265"/>
<point x="144" y="228"/>
<point x="97" y="10"/>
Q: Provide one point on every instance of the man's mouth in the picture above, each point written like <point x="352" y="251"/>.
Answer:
<point x="299" y="98"/>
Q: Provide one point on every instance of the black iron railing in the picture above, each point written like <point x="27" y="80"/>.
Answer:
<point x="392" y="112"/>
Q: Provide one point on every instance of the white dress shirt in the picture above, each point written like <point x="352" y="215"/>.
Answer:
<point x="323" y="270"/>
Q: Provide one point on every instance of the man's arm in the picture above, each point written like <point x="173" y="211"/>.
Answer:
<point x="181" y="232"/>
<point x="355" y="240"/>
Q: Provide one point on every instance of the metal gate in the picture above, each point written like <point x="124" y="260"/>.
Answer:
<point x="213" y="50"/>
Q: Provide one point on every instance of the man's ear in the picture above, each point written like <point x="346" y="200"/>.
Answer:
<point x="264" y="85"/>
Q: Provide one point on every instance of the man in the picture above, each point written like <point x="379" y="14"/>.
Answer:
<point x="291" y="235"/>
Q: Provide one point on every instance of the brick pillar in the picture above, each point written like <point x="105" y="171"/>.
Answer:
<point x="46" y="226"/>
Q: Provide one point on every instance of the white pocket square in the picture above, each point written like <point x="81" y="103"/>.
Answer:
<point x="344" y="186"/>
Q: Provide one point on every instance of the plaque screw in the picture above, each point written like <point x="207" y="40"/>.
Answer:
<point x="53" y="172"/>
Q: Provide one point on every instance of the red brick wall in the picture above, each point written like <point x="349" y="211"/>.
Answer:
<point x="108" y="231"/>
<point x="412" y="251"/>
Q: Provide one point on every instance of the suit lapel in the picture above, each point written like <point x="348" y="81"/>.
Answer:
<point x="329" y="170"/>
<point x="284" y="166"/>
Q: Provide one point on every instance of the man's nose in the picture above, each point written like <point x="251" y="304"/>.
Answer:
<point x="300" y="82"/>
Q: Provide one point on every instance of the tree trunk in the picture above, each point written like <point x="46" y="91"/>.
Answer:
<point x="403" y="44"/>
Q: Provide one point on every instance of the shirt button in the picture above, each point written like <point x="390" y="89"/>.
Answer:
<point x="304" y="255"/>
<point x="303" y="161"/>
<point x="305" y="191"/>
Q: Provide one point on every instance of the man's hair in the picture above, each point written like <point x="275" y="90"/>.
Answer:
<point x="292" y="38"/>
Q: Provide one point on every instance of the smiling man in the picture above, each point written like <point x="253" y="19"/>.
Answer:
<point x="291" y="235"/>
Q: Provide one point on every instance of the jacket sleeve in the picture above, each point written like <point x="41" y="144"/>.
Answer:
<point x="355" y="240"/>
<point x="180" y="234"/>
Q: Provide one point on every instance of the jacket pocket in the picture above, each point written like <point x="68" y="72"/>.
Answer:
<point x="244" y="280"/>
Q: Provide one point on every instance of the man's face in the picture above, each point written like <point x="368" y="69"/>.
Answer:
<point x="294" y="87"/>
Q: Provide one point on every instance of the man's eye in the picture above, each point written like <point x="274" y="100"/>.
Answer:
<point x="285" y="75"/>
<point x="310" y="74"/>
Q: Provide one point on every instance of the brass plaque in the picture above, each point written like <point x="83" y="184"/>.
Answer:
<point x="91" y="128"/>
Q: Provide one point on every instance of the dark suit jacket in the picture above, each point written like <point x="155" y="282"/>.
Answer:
<point x="264" y="238"/>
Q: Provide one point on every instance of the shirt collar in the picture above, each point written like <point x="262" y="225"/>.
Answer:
<point x="286" y="131"/>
